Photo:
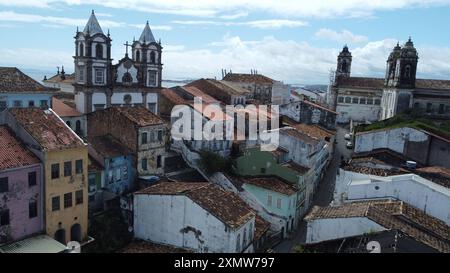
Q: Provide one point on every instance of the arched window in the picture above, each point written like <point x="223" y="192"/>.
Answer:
<point x="127" y="78"/>
<point x="138" y="56"/>
<point x="99" y="51"/>
<point x="344" y="66"/>
<point x="408" y="71"/>
<point x="152" y="57"/>
<point x="81" y="51"/>
<point x="78" y="126"/>
<point x="238" y="243"/>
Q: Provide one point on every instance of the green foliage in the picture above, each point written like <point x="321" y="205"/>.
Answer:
<point x="110" y="232"/>
<point x="212" y="162"/>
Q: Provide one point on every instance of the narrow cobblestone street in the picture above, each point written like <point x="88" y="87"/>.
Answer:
<point x="324" y="193"/>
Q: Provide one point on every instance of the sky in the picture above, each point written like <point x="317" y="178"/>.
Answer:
<point x="294" y="41"/>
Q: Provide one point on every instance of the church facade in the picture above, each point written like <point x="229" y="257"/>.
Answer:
<point x="134" y="81"/>
<point x="363" y="99"/>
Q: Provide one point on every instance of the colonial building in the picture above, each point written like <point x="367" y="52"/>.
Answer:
<point x="133" y="80"/>
<point x="74" y="119"/>
<point x="19" y="90"/>
<point x="139" y="130"/>
<point x="65" y="161"/>
<point x="200" y="217"/>
<point x="369" y="99"/>
<point x="21" y="189"/>
<point x="62" y="81"/>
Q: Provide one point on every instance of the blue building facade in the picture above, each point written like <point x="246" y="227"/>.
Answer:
<point x="119" y="174"/>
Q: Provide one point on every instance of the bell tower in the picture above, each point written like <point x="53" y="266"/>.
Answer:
<point x="92" y="55"/>
<point x="344" y="63"/>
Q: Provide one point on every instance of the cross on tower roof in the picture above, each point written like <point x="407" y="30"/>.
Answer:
<point x="126" y="45"/>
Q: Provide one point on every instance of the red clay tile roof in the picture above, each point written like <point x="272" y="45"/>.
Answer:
<point x="173" y="97"/>
<point x="307" y="133"/>
<point x="194" y="91"/>
<point x="107" y="146"/>
<point x="139" y="115"/>
<point x="392" y="215"/>
<point x="14" y="80"/>
<point x="378" y="83"/>
<point x="226" y="206"/>
<point x="248" y="78"/>
<point x="140" y="246"/>
<point x="261" y="226"/>
<point x="296" y="167"/>
<point x="47" y="128"/>
<point x="210" y="86"/>
<point x="319" y="106"/>
<point x="69" y="78"/>
<point x="436" y="170"/>
<point x="361" y="82"/>
<point x="64" y="110"/>
<point x="272" y="183"/>
<point x="13" y="153"/>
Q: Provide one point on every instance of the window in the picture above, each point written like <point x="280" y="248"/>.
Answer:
<point x="43" y="104"/>
<point x="144" y="164"/>
<point x="250" y="232"/>
<point x="55" y="203"/>
<point x="355" y="100"/>
<point x="99" y="51"/>
<point x="158" y="162"/>
<point x="81" y="49"/>
<point x="79" y="166"/>
<point x="348" y="99"/>
<point x="369" y="101"/>
<point x="68" y="168"/>
<point x="69" y="124"/>
<point x="3" y="105"/>
<point x="152" y="57"/>
<point x="127" y="78"/>
<point x="32" y="209"/>
<point x="269" y="200"/>
<point x="127" y="99"/>
<point x="17" y="103"/>
<point x="441" y="109"/>
<point x="99" y="107"/>
<point x="152" y="137"/>
<point x="32" y="179"/>
<point x="160" y="135"/>
<point x="31" y="103"/>
<point x="81" y="73"/>
<point x="416" y="105"/>
<point x="79" y="197"/>
<point x="152" y="78"/>
<point x="362" y="101"/>
<point x="78" y="127"/>
<point x="408" y="71"/>
<point x="117" y="174"/>
<point x="238" y="243"/>
<point x="99" y="76"/>
<point x="152" y="107"/>
<point x="4" y="217"/>
<point x="279" y="203"/>
<point x="429" y="107"/>
<point x="4" y="184"/>
<point x="138" y="56"/>
<point x="244" y="238"/>
<point x="67" y="200"/>
<point x="144" y="138"/>
<point x="377" y="101"/>
<point x="55" y="171"/>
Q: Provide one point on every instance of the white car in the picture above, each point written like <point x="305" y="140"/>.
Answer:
<point x="348" y="136"/>
<point x="349" y="145"/>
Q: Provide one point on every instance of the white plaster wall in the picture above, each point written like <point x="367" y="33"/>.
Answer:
<point x="98" y="98"/>
<point x="393" y="139"/>
<point x="121" y="70"/>
<point x="117" y="98"/>
<point x="79" y="102"/>
<point x="414" y="190"/>
<point x="160" y="218"/>
<point x="320" y="230"/>
<point x="357" y="112"/>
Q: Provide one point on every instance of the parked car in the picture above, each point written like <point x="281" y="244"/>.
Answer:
<point x="348" y="136"/>
<point x="349" y="145"/>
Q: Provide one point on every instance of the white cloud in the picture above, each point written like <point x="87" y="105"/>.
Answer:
<point x="344" y="36"/>
<point x="234" y="16"/>
<point x="11" y="16"/>
<point x="290" y="61"/>
<point x="294" y="8"/>
<point x="262" y="24"/>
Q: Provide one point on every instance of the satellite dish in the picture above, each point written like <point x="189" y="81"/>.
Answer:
<point x="74" y="247"/>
